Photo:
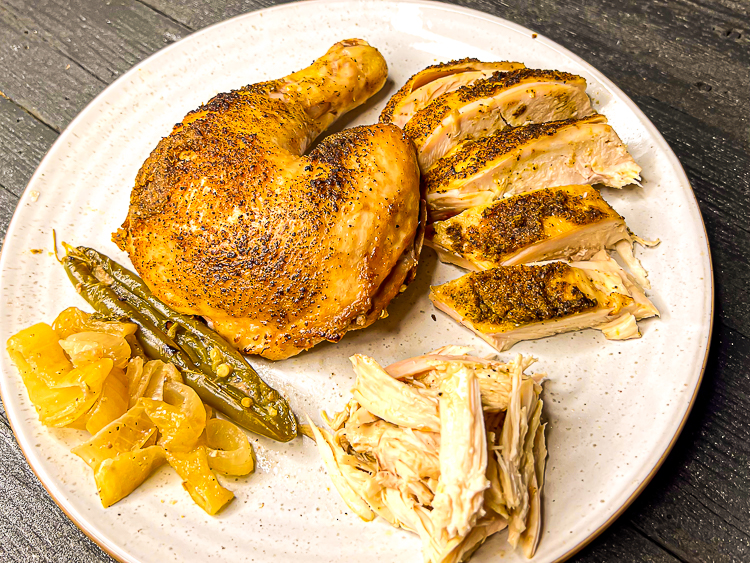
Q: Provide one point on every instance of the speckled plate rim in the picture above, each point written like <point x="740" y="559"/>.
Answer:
<point x="113" y="550"/>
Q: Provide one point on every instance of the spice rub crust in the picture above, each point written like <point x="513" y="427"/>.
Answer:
<point x="451" y="67"/>
<point x="516" y="295"/>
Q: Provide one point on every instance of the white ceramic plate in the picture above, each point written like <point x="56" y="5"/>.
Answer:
<point x="614" y="409"/>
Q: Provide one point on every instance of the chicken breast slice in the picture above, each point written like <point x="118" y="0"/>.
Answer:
<point x="572" y="222"/>
<point x="486" y="106"/>
<point x="512" y="303"/>
<point x="521" y="159"/>
<point x="435" y="81"/>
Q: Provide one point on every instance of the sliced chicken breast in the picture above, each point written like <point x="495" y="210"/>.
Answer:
<point x="563" y="222"/>
<point x="435" y="81"/>
<point x="513" y="161"/>
<point x="512" y="303"/>
<point x="492" y="104"/>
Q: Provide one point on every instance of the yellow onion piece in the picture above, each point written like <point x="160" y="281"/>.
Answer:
<point x="112" y="403"/>
<point x="60" y="393"/>
<point x="148" y="380"/>
<point x="134" y="375"/>
<point x="198" y="479"/>
<point x="229" y="450"/>
<point x="119" y="476"/>
<point x="132" y="431"/>
<point x="38" y="356"/>
<point x="85" y="347"/>
<point x="180" y="417"/>
<point x="161" y="374"/>
<point x="73" y="320"/>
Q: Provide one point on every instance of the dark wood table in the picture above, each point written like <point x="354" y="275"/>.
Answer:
<point x="686" y="63"/>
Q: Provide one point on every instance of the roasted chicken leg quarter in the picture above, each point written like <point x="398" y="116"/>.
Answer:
<point x="280" y="251"/>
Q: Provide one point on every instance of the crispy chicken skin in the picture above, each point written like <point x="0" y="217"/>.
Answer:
<point x="280" y="251"/>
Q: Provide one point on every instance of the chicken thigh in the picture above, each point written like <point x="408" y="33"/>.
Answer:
<point x="280" y="251"/>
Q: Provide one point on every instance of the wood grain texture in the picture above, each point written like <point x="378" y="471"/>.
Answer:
<point x="8" y="202"/>
<point x="686" y="63"/>
<point x="32" y="526"/>
<point x="624" y="543"/>
<point x="105" y="41"/>
<point x="24" y="140"/>
<point x="58" y="54"/>
<point x="698" y="504"/>
<point x="46" y="83"/>
<point x="196" y="14"/>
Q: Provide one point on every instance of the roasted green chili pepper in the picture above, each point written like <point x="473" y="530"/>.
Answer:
<point x="216" y="371"/>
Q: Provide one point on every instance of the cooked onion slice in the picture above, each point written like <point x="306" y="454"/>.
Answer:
<point x="119" y="476"/>
<point x="229" y="450"/>
<point x="86" y="347"/>
<point x="130" y="432"/>
<point x="60" y="393"/>
<point x="122" y="455"/>
<point x="111" y="405"/>
<point x="72" y="320"/>
<point x="180" y="417"/>
<point x="198" y="479"/>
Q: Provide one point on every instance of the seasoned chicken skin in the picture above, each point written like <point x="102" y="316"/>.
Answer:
<point x="280" y="251"/>
<point x="521" y="159"/>
<point x="436" y="80"/>
<point x="563" y="222"/>
<point x="512" y="303"/>
<point x="492" y="104"/>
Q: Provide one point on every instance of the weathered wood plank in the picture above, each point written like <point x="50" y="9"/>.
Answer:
<point x="24" y="140"/>
<point x="199" y="13"/>
<point x="56" y="56"/>
<point x="719" y="172"/>
<point x="105" y="41"/>
<point x="8" y="202"/>
<point x="46" y="83"/>
<point x="623" y="543"/>
<point x="32" y="527"/>
<point x="690" y="54"/>
<point x="698" y="503"/>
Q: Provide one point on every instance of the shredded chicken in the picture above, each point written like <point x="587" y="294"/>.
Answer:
<point x="480" y="471"/>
